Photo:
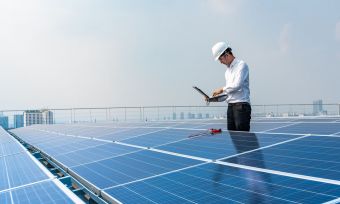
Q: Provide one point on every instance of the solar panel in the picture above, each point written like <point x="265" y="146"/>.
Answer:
<point x="316" y="156"/>
<point x="25" y="180"/>
<point x="95" y="153"/>
<point x="311" y="128"/>
<point x="177" y="162"/>
<point x="225" y="144"/>
<point x="130" y="167"/>
<point x="213" y="183"/>
<point x="161" y="137"/>
<point x="43" y="192"/>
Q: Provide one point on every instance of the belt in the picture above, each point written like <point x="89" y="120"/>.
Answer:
<point x="239" y="103"/>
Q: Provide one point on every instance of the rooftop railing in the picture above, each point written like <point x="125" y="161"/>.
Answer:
<point x="11" y="118"/>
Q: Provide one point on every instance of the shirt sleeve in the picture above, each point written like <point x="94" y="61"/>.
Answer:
<point x="240" y="77"/>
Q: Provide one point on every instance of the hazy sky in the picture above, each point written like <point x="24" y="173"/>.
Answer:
<point x="94" y="53"/>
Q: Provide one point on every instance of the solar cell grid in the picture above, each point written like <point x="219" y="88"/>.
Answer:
<point x="61" y="147"/>
<point x="314" y="156"/>
<point x="130" y="167"/>
<point x="159" y="138"/>
<point x="130" y="133"/>
<point x="135" y="175"/>
<point x="311" y="128"/>
<point x="221" y="184"/>
<point x="225" y="144"/>
<point x="43" y="192"/>
<point x="91" y="154"/>
<point x="23" y="180"/>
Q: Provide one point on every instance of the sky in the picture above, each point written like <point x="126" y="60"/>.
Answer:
<point x="99" y="53"/>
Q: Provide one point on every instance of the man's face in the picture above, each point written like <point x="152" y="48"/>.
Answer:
<point x="224" y="59"/>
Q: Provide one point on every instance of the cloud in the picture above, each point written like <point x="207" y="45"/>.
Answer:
<point x="225" y="7"/>
<point x="285" y="38"/>
<point x="337" y="31"/>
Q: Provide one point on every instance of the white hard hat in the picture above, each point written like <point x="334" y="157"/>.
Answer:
<point x="218" y="49"/>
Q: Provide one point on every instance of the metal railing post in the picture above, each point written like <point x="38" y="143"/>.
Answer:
<point x="125" y="113"/>
<point x="157" y="112"/>
<point x="143" y="113"/>
<point x="71" y="118"/>
<point x="140" y="113"/>
<point x="73" y="115"/>
<point x="90" y="115"/>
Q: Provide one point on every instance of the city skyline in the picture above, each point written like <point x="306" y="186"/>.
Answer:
<point x="126" y="53"/>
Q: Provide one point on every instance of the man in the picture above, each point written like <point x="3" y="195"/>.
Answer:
<point x="236" y="88"/>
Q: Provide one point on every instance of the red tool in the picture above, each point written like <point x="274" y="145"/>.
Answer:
<point x="214" y="131"/>
<point x="211" y="131"/>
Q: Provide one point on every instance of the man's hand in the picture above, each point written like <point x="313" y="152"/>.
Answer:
<point x="218" y="91"/>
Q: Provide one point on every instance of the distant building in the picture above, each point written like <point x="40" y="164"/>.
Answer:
<point x="207" y="115"/>
<point x="317" y="107"/>
<point x="32" y="117"/>
<point x="18" y="121"/>
<point x="191" y="115"/>
<point x="47" y="116"/>
<point x="182" y="116"/>
<point x="174" y="116"/>
<point x="4" y="122"/>
<point x="199" y="116"/>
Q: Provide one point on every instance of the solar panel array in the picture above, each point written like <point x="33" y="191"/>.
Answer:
<point x="280" y="161"/>
<point x="24" y="180"/>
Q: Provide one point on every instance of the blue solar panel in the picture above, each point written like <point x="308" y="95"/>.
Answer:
<point x="5" y="197"/>
<point x="60" y="147"/>
<point x="92" y="154"/>
<point x="213" y="183"/>
<point x="265" y="126"/>
<point x="162" y="137"/>
<point x="134" y="175"/>
<point x="311" y="128"/>
<point x="126" y="133"/>
<point x="130" y="167"/>
<point x="225" y="144"/>
<point x="3" y="174"/>
<point x="316" y="120"/>
<point x="10" y="148"/>
<point x="186" y="125"/>
<point x="22" y="180"/>
<point x="44" y="192"/>
<point x="22" y="170"/>
<point x="316" y="156"/>
<point x="273" y="119"/>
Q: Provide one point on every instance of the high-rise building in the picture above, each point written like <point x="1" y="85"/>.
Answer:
<point x="18" y="121"/>
<point x="4" y="122"/>
<point x="47" y="116"/>
<point x="317" y="107"/>
<point x="32" y="117"/>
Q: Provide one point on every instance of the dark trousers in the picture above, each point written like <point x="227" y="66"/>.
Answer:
<point x="239" y="115"/>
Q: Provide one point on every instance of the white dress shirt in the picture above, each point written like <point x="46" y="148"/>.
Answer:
<point x="237" y="82"/>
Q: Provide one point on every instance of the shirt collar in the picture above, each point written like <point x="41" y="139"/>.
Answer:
<point x="233" y="63"/>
